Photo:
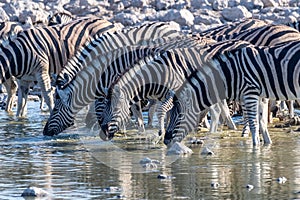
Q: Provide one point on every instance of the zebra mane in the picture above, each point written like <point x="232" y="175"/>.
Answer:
<point x="154" y="54"/>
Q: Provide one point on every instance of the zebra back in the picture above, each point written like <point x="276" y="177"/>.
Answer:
<point x="99" y="74"/>
<point x="241" y="74"/>
<point x="148" y="34"/>
<point x="143" y="81"/>
<point x="218" y="33"/>
<point x="52" y="44"/>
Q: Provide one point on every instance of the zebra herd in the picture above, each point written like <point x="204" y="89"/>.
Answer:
<point x="186" y="75"/>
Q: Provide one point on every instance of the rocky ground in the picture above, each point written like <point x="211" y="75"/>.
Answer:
<point x="192" y="15"/>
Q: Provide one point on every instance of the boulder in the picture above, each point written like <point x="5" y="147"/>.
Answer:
<point x="178" y="148"/>
<point x="219" y="5"/>
<point x="127" y="19"/>
<point x="183" y="17"/>
<point x="236" y="13"/>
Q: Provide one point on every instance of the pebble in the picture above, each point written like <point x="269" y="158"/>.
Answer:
<point x="214" y="185"/>
<point x="207" y="151"/>
<point x="163" y="176"/>
<point x="249" y="187"/>
<point x="34" y="192"/>
<point x="194" y="140"/>
<point x="281" y="180"/>
<point x="178" y="148"/>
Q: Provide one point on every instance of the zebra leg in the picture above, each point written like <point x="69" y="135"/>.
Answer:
<point x="137" y="113"/>
<point x="290" y="105"/>
<point x="163" y="108"/>
<point x="22" y="97"/>
<point x="215" y="117"/>
<point x="225" y="112"/>
<point x="251" y="116"/>
<point x="11" y="88"/>
<point x="151" y="111"/>
<point x="46" y="89"/>
<point x="161" y="114"/>
<point x="263" y="122"/>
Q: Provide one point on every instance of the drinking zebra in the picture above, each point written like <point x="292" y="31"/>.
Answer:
<point x="99" y="74"/>
<point x="132" y="86"/>
<point x="35" y="53"/>
<point x="266" y="35"/>
<point x="153" y="33"/>
<point x="155" y="76"/>
<point x="244" y="74"/>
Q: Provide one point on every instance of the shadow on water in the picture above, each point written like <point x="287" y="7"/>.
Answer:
<point x="78" y="165"/>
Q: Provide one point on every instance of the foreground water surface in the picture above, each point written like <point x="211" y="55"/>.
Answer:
<point x="78" y="165"/>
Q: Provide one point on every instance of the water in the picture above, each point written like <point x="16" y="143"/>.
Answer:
<point x="77" y="165"/>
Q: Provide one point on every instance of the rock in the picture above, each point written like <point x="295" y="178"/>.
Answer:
<point x="34" y="192"/>
<point x="148" y="160"/>
<point x="164" y="4"/>
<point x="194" y="140"/>
<point x="236" y="13"/>
<point x="281" y="180"/>
<point x="3" y="15"/>
<point x="253" y="4"/>
<point x="127" y="19"/>
<point x="207" y="19"/>
<point x="162" y="176"/>
<point x="179" y="148"/>
<point x="249" y="187"/>
<point x="200" y="4"/>
<point x="269" y="3"/>
<point x="219" y="4"/>
<point x="207" y="151"/>
<point x="182" y="17"/>
<point x="214" y="185"/>
<point x="233" y="3"/>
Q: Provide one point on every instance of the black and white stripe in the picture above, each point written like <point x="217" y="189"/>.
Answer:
<point x="244" y="74"/>
<point x="98" y="75"/>
<point x="155" y="77"/>
<point x="35" y="53"/>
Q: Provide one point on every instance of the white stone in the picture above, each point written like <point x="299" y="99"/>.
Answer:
<point x="219" y="4"/>
<point x="179" y="148"/>
<point x="182" y="17"/>
<point x="34" y="192"/>
<point x="236" y="13"/>
<point x="269" y="3"/>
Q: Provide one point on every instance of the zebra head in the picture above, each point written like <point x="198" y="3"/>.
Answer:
<point x="115" y="112"/>
<point x="184" y="117"/>
<point x="61" y="116"/>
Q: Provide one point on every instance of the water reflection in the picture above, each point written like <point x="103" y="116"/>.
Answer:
<point x="76" y="164"/>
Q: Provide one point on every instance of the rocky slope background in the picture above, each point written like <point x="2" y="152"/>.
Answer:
<point x="191" y="15"/>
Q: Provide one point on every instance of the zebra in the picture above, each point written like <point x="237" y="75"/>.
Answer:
<point x="154" y="76"/>
<point x="267" y="35"/>
<point x="148" y="33"/>
<point x="232" y="28"/>
<point x="226" y="29"/>
<point x="60" y="18"/>
<point x="244" y="74"/>
<point x="36" y="52"/>
<point x="7" y="29"/>
<point x="100" y="72"/>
